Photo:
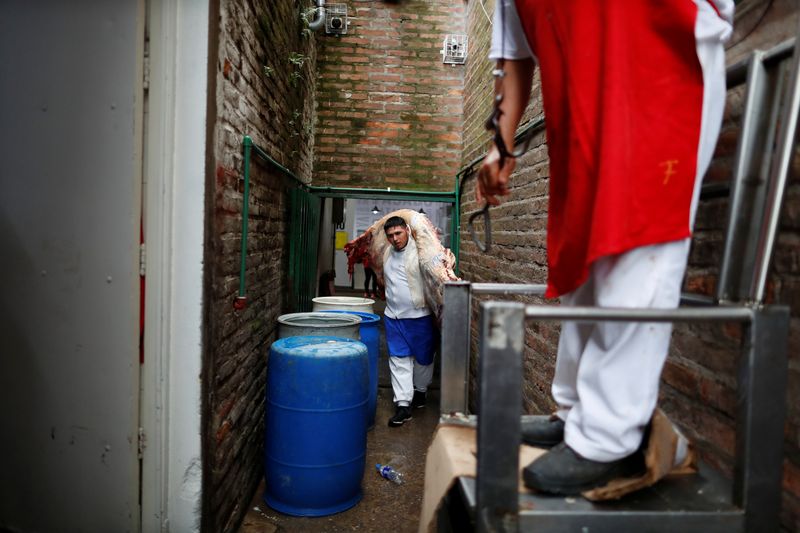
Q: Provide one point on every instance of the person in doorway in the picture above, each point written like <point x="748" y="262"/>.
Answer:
<point x="326" y="286"/>
<point x="370" y="277"/>
<point x="633" y="94"/>
<point x="411" y="334"/>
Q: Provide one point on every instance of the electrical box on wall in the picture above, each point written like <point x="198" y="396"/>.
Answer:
<point x="336" y="19"/>
<point x="454" y="49"/>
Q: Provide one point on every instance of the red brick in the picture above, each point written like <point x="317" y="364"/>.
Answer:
<point x="398" y="83"/>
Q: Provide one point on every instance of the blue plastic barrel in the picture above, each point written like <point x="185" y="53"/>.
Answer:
<point x="370" y="335"/>
<point x="315" y="425"/>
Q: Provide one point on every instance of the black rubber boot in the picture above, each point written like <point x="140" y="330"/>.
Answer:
<point x="563" y="471"/>
<point x="419" y="399"/>
<point x="543" y="431"/>
<point x="401" y="415"/>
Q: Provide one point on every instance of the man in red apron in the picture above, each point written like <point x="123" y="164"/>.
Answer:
<point x="633" y="94"/>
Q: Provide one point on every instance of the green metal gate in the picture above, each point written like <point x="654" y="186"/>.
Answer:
<point x="303" y="243"/>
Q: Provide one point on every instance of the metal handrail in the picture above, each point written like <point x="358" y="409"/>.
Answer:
<point x="616" y="314"/>
<point x="500" y="289"/>
<point x="736" y="74"/>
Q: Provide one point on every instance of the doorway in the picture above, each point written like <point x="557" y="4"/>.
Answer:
<point x="361" y="213"/>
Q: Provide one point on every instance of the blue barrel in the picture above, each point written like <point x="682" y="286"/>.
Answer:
<point x="315" y="425"/>
<point x="370" y="335"/>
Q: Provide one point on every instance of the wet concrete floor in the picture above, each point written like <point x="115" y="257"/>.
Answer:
<point x="385" y="505"/>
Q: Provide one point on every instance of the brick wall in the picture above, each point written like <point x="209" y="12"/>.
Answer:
<point x="262" y="86"/>
<point x="389" y="111"/>
<point x="698" y="386"/>
<point x="518" y="225"/>
<point x="479" y="84"/>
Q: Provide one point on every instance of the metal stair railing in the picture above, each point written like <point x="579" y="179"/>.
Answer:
<point x="702" y="503"/>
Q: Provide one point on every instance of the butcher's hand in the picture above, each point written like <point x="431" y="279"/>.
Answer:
<point x="493" y="180"/>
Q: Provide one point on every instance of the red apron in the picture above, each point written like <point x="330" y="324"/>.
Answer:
<point x="623" y="96"/>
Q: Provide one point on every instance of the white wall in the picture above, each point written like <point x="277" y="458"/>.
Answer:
<point x="70" y="201"/>
<point x="71" y="142"/>
<point x="339" y="257"/>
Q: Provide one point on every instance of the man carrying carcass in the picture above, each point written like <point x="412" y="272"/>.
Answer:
<point x="411" y="334"/>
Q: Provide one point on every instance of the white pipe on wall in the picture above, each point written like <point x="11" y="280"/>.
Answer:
<point x="319" y="20"/>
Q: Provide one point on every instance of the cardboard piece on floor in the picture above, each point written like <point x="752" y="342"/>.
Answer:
<point x="659" y="459"/>
<point x="452" y="454"/>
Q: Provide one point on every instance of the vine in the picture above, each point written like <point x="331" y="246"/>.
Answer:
<point x="288" y="60"/>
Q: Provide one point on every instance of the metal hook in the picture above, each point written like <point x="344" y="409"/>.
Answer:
<point x="487" y="229"/>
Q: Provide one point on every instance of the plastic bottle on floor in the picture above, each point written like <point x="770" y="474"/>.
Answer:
<point x="389" y="473"/>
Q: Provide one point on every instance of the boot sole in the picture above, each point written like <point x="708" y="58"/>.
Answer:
<point x="542" y="443"/>
<point x="396" y="424"/>
<point x="532" y="481"/>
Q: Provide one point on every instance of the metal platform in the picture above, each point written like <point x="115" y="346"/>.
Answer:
<point x="684" y="503"/>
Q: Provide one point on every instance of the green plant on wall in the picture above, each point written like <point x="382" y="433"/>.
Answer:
<point x="287" y="68"/>
<point x="293" y="123"/>
<point x="299" y="126"/>
<point x="298" y="59"/>
<point x="306" y="15"/>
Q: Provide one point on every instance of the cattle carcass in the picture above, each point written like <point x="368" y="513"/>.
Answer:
<point x="436" y="262"/>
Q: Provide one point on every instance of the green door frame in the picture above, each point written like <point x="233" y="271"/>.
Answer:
<point x="305" y="211"/>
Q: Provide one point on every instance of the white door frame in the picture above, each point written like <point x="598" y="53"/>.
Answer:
<point x="174" y="169"/>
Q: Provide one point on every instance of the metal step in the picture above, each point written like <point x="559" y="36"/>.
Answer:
<point x="697" y="503"/>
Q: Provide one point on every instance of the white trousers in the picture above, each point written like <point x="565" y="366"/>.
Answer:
<point x="407" y="376"/>
<point x="607" y="373"/>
